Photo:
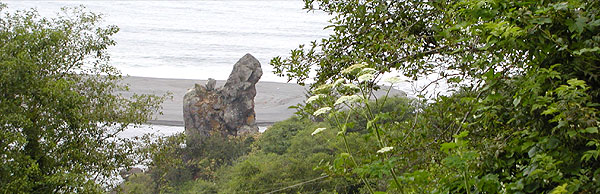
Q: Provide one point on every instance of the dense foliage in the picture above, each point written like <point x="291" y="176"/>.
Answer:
<point x="287" y="158"/>
<point x="60" y="113"/>
<point x="186" y="166"/>
<point x="284" y="155"/>
<point x="523" y="116"/>
<point x="227" y="165"/>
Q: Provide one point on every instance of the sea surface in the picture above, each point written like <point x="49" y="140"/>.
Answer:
<point x="203" y="39"/>
<point x="197" y="39"/>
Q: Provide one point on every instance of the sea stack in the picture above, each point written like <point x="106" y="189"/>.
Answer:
<point x="228" y="110"/>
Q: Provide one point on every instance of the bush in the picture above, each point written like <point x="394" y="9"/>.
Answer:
<point x="198" y="186"/>
<point x="60" y="108"/>
<point x="277" y="138"/>
<point x="139" y="183"/>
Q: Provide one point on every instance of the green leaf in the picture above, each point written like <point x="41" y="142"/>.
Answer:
<point x="587" y="50"/>
<point x="590" y="130"/>
<point x="371" y="123"/>
<point x="576" y="82"/>
<point x="560" y="189"/>
<point x="489" y="74"/>
<point x="345" y="155"/>
<point x="552" y="143"/>
<point x="541" y="21"/>
<point x="526" y="145"/>
<point x="517" y="101"/>
<point x="532" y="151"/>
<point x="588" y="155"/>
<point x="461" y="135"/>
<point x="594" y="23"/>
<point x="580" y="22"/>
<point x="494" y="97"/>
<point x="571" y="133"/>
<point x="446" y="147"/>
<point x="561" y="6"/>
<point x="550" y="110"/>
<point x="530" y="188"/>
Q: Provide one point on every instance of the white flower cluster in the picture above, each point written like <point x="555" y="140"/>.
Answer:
<point x="322" y="111"/>
<point x="339" y="82"/>
<point x="350" y="69"/>
<point x="366" y="77"/>
<point x="348" y="99"/>
<point x="313" y="98"/>
<point x="393" y="80"/>
<point x="318" y="130"/>
<point x="368" y="71"/>
<point x="351" y="86"/>
<point x="385" y="149"/>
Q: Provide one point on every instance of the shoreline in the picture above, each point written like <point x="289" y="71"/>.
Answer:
<point x="270" y="104"/>
<point x="180" y="123"/>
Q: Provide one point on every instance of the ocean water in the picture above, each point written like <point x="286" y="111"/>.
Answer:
<point x="203" y="39"/>
<point x="198" y="39"/>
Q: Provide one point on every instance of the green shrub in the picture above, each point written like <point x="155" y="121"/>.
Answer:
<point x="284" y="155"/>
<point x="139" y="183"/>
<point x="198" y="186"/>
<point x="277" y="138"/>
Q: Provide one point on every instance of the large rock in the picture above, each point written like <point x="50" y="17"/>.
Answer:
<point x="228" y="110"/>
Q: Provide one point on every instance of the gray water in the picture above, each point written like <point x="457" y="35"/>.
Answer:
<point x="197" y="39"/>
<point x="203" y="39"/>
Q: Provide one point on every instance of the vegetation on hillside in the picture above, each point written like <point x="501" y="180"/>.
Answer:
<point x="287" y="158"/>
<point x="522" y="116"/>
<point x="59" y="111"/>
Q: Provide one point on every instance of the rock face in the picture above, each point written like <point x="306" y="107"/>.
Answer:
<point x="228" y="110"/>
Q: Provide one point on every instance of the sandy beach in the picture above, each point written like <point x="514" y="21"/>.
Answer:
<point x="271" y="102"/>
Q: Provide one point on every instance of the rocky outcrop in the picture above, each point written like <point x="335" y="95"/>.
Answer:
<point x="228" y="110"/>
